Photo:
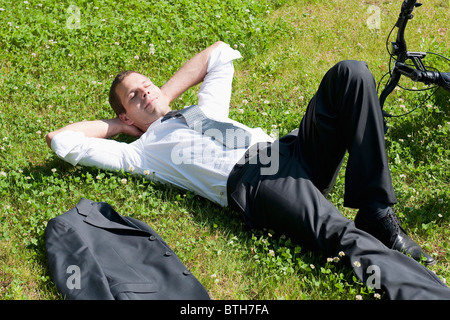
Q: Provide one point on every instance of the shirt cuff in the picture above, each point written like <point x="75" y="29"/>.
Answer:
<point x="67" y="146"/>
<point x="221" y="56"/>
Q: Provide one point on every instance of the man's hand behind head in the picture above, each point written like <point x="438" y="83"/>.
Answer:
<point x="130" y="130"/>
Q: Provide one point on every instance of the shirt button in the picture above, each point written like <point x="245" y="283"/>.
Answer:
<point x="152" y="238"/>
<point x="186" y="272"/>
<point x="168" y="253"/>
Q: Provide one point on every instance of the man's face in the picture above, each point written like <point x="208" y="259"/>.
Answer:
<point x="143" y="101"/>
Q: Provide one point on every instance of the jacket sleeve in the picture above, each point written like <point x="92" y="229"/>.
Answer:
<point x="73" y="268"/>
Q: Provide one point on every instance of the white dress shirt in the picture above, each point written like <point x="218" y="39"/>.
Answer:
<point x="169" y="151"/>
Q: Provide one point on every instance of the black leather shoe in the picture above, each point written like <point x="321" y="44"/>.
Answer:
<point x="389" y="231"/>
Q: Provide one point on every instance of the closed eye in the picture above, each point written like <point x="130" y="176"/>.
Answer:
<point x="132" y="95"/>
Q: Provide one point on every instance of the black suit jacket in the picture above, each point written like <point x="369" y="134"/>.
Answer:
<point x="95" y="253"/>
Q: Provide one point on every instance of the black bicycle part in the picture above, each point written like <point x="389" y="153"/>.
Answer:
<point x="419" y="73"/>
<point x="399" y="47"/>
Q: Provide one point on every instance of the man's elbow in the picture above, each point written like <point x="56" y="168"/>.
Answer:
<point x="48" y="138"/>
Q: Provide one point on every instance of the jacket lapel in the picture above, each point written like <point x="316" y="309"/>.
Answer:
<point x="93" y="216"/>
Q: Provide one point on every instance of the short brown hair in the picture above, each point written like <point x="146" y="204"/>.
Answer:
<point x="114" y="99"/>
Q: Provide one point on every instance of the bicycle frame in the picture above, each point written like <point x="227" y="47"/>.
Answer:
<point x="400" y="49"/>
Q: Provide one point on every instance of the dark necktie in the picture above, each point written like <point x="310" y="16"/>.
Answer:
<point x="227" y="133"/>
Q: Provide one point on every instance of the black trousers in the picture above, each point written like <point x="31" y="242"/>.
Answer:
<point x="344" y="115"/>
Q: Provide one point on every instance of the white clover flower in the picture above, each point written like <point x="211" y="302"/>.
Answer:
<point x="124" y="181"/>
<point x="131" y="168"/>
<point x="377" y="296"/>
<point x="274" y="134"/>
<point x="312" y="266"/>
<point x="357" y="264"/>
<point x="271" y="253"/>
<point x="146" y="172"/>
<point x="341" y="253"/>
<point x="54" y="170"/>
<point x="358" y="297"/>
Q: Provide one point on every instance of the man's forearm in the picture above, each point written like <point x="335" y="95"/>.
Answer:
<point x="97" y="129"/>
<point x="191" y="73"/>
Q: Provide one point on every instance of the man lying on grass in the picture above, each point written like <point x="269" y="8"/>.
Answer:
<point x="280" y="185"/>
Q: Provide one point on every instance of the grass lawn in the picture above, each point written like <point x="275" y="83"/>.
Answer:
<point x="57" y="60"/>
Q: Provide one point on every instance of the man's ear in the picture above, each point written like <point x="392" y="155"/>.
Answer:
<point x="123" y="117"/>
